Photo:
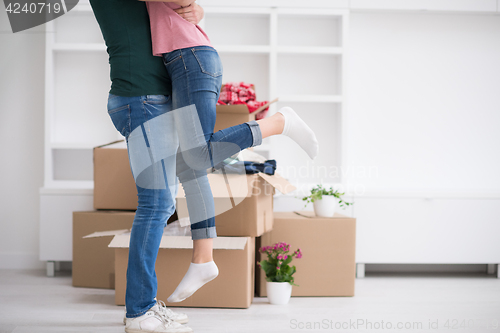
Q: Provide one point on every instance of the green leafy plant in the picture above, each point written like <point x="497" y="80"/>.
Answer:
<point x="319" y="191"/>
<point x="277" y="266"/>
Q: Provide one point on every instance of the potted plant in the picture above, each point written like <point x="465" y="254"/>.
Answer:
<point x="279" y="273"/>
<point x="325" y="201"/>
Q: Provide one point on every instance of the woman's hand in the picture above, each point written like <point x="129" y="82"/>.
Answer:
<point x="192" y="13"/>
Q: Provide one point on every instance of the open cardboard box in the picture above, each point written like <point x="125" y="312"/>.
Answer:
<point x="235" y="257"/>
<point x="232" y="115"/>
<point x="93" y="262"/>
<point x="243" y="203"/>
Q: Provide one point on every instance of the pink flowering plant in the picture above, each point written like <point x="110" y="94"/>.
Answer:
<point x="277" y="266"/>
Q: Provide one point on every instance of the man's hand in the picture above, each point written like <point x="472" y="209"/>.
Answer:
<point x="192" y="13"/>
<point x="183" y="3"/>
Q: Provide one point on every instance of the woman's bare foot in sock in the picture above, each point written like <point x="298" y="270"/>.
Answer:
<point x="297" y="130"/>
<point x="196" y="276"/>
<point x="288" y="123"/>
<point x="201" y="271"/>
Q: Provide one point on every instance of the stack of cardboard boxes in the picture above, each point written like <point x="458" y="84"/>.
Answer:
<point x="101" y="237"/>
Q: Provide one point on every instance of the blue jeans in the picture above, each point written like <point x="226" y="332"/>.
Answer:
<point x="170" y="137"/>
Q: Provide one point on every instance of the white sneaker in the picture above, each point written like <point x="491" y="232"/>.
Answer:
<point x="179" y="317"/>
<point x="154" y="322"/>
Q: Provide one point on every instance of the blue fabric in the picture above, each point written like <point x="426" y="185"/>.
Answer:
<point x="268" y="167"/>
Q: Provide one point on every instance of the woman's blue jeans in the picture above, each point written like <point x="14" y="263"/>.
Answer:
<point x="170" y="138"/>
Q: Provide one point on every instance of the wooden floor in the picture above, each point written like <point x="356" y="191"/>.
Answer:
<point x="32" y="302"/>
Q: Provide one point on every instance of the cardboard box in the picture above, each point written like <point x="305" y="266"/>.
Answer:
<point x="93" y="261"/>
<point x="233" y="288"/>
<point x="114" y="185"/>
<point x="231" y="115"/>
<point x="327" y="267"/>
<point x="243" y="203"/>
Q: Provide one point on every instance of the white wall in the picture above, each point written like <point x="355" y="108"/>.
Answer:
<point x="22" y="62"/>
<point x="424" y="101"/>
<point x="425" y="110"/>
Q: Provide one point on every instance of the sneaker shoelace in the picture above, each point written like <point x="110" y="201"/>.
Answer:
<point x="165" y="311"/>
<point x="167" y="322"/>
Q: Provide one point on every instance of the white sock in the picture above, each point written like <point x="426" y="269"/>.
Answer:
<point x="196" y="276"/>
<point x="296" y="129"/>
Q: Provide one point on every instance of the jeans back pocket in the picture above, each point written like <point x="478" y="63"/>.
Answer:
<point x="209" y="60"/>
<point x="120" y="117"/>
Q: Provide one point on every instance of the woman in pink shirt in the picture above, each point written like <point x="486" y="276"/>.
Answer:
<point x="195" y="70"/>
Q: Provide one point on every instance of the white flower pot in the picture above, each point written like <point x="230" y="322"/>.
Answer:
<point x="326" y="206"/>
<point x="278" y="292"/>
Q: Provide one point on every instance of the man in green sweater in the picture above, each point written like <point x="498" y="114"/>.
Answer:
<point x="140" y="91"/>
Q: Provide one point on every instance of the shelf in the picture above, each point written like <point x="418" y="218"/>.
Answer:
<point x="307" y="31"/>
<point x="312" y="98"/>
<point x="77" y="27"/>
<point x="241" y="29"/>
<point x="243" y="49"/>
<point x="313" y="12"/>
<point x="65" y="186"/>
<point x="306" y="74"/>
<point x="76" y="118"/>
<point x="211" y="9"/>
<point x="75" y="145"/>
<point x="65" y="191"/>
<point x="250" y="68"/>
<point x="309" y="50"/>
<point x="92" y="47"/>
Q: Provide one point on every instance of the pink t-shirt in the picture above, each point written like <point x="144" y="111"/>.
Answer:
<point x="169" y="31"/>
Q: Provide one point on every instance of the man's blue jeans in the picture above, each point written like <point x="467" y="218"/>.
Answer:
<point x="166" y="126"/>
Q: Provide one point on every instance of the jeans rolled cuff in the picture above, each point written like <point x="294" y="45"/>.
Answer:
<point x="203" y="233"/>
<point x="146" y="309"/>
<point x="256" y="133"/>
